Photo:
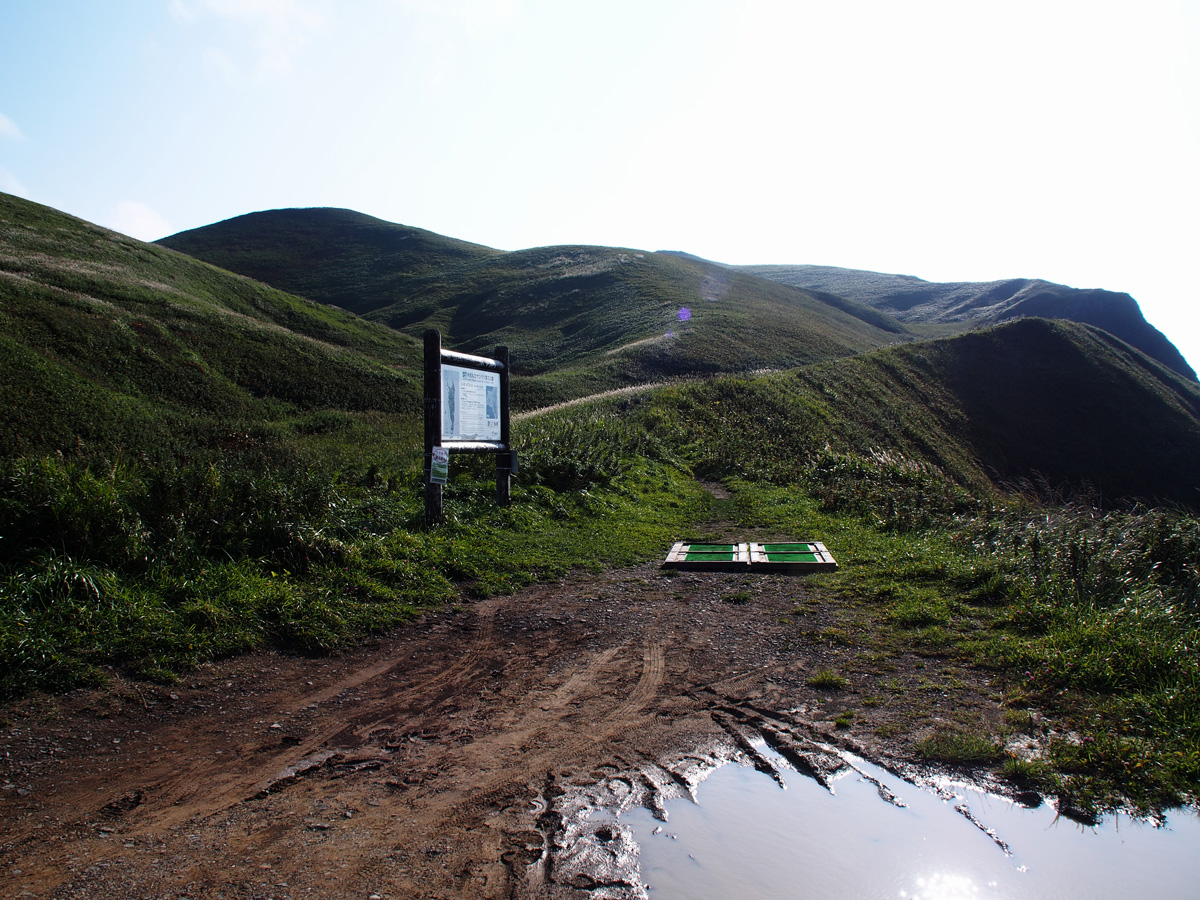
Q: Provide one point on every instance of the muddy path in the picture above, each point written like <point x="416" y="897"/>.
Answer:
<point x="443" y="760"/>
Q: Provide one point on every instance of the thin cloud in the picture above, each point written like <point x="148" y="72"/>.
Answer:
<point x="9" y="129"/>
<point x="276" y="29"/>
<point x="218" y="61"/>
<point x="182" y="11"/>
<point x="137" y="220"/>
<point x="477" y="16"/>
<point x="10" y="184"/>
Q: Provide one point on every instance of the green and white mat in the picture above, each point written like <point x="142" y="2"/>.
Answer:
<point x="796" y="556"/>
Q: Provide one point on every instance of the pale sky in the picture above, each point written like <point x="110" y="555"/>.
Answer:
<point x="952" y="141"/>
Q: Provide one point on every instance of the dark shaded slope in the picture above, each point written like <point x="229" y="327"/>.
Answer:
<point x="1033" y="399"/>
<point x="334" y="256"/>
<point x="913" y="300"/>
<point x="1075" y="405"/>
<point x="117" y="346"/>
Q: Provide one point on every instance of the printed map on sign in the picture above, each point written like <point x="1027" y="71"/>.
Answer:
<point x="470" y="404"/>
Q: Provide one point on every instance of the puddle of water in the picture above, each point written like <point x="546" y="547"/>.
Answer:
<point x="747" y="837"/>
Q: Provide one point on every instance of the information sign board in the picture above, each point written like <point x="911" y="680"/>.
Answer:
<point x="466" y="411"/>
<point x="470" y="404"/>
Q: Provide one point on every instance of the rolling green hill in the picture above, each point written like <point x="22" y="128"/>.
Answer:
<point x="1032" y="402"/>
<point x="194" y="464"/>
<point x="116" y="346"/>
<point x="971" y="304"/>
<point x="334" y="256"/>
<point x="111" y="345"/>
<point x="584" y="318"/>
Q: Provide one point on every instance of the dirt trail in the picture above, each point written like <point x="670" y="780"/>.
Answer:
<point x="436" y="763"/>
<point x="579" y="401"/>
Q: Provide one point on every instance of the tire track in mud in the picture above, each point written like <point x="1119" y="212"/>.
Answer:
<point x="490" y="805"/>
<point x="557" y="753"/>
<point x="618" y="720"/>
<point x="428" y="765"/>
<point x="569" y="688"/>
<point x="207" y="786"/>
<point x="343" y="736"/>
<point x="170" y="791"/>
<point x="416" y="697"/>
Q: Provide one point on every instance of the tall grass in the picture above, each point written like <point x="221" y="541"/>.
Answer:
<point x="1104" y="627"/>
<point x="154" y="571"/>
<point x="117" y="566"/>
<point x="1089" y="616"/>
<point x="577" y="451"/>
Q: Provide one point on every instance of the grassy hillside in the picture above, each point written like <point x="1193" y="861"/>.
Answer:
<point x="1072" y="607"/>
<point x="334" y="256"/>
<point x="579" y="319"/>
<point x="193" y="465"/>
<point x="109" y="345"/>
<point x="1056" y="403"/>
<point x="970" y="304"/>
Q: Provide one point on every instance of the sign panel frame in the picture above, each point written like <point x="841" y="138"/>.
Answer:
<point x="470" y="404"/>
<point x="474" y="390"/>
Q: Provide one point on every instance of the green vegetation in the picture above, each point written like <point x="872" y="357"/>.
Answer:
<point x="950" y="417"/>
<point x="1090" y="617"/>
<point x="827" y="680"/>
<point x="577" y="319"/>
<point x="110" y="347"/>
<point x="959" y="749"/>
<point x="193" y="465"/>
<point x="333" y="256"/>
<point x="962" y="306"/>
<point x="152" y="572"/>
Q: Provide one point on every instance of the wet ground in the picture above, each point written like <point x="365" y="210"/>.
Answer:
<point x="870" y="834"/>
<point x="459" y="757"/>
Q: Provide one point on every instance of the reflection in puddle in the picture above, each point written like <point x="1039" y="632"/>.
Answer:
<point x="745" y="837"/>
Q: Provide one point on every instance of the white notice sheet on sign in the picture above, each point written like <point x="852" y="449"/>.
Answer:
<point x="470" y="404"/>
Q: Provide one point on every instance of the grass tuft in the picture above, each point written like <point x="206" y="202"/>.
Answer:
<point x="826" y="680"/>
<point x="959" y="748"/>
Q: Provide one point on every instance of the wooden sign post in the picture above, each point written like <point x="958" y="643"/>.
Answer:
<point x="466" y="411"/>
